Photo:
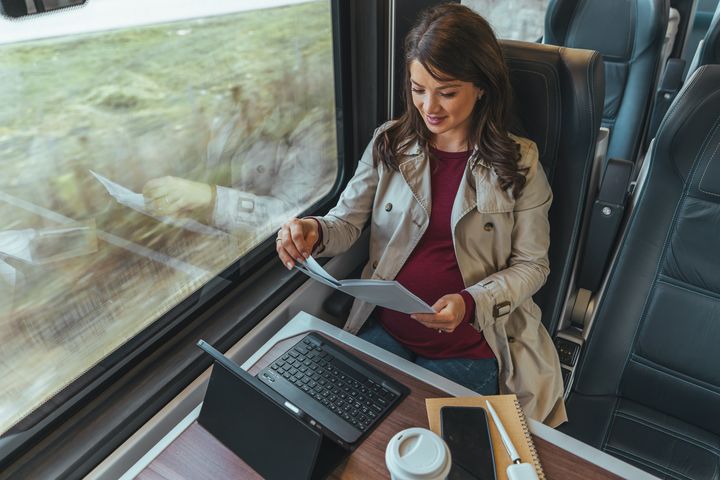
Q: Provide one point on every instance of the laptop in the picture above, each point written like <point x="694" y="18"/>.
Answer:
<point x="303" y="413"/>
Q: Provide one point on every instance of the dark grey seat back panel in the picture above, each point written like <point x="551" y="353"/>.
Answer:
<point x="711" y="44"/>
<point x="650" y="373"/>
<point x="558" y="99"/>
<point x="661" y="444"/>
<point x="629" y="34"/>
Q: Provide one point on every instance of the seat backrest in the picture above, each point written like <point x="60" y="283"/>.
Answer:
<point x="654" y="343"/>
<point x="710" y="50"/>
<point x="629" y="34"/>
<point x="558" y="98"/>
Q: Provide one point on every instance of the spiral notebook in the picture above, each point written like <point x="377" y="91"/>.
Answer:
<point x="512" y="417"/>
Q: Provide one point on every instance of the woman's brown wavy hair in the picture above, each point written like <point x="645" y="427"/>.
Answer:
<point x="454" y="43"/>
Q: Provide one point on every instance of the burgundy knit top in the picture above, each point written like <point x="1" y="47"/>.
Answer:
<point x="432" y="271"/>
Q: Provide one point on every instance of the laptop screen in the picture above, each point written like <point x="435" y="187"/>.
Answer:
<point x="239" y="410"/>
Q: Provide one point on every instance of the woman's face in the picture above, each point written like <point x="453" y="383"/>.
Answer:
<point x="445" y="106"/>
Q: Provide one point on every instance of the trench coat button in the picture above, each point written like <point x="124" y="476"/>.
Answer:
<point x="388" y="207"/>
<point x="488" y="227"/>
<point x="374" y="265"/>
<point x="260" y="169"/>
<point x="511" y="339"/>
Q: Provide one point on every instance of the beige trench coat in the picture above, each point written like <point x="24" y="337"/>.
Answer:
<point x="501" y="246"/>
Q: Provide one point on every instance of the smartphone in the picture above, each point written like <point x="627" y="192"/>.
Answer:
<point x="465" y="430"/>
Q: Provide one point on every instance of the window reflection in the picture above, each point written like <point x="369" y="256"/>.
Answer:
<point x="109" y="144"/>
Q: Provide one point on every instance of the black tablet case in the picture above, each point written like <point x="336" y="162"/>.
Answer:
<point x="249" y="418"/>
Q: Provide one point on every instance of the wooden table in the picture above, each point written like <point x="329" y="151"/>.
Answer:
<point x="196" y="454"/>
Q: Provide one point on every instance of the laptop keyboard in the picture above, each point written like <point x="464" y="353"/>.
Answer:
<point x="344" y="391"/>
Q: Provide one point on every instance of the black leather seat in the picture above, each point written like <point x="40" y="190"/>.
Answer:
<point x="558" y="97"/>
<point x="710" y="49"/>
<point x="629" y="34"/>
<point x="648" y="385"/>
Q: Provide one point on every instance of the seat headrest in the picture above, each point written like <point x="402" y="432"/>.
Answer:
<point x="554" y="89"/>
<point x="606" y="26"/>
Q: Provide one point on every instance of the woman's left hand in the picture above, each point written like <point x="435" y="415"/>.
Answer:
<point x="450" y="313"/>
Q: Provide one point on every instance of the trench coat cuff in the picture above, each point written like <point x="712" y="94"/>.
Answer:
<point x="321" y="243"/>
<point x="469" y="306"/>
<point x="490" y="303"/>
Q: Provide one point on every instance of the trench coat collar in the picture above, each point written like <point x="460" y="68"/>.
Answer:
<point x="414" y="150"/>
<point x="415" y="170"/>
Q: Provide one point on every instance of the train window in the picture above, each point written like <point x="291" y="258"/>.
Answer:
<point x="516" y="20"/>
<point x="146" y="147"/>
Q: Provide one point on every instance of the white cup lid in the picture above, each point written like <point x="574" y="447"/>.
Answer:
<point x="417" y="454"/>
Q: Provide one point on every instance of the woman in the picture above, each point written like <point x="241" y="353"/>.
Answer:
<point x="459" y="209"/>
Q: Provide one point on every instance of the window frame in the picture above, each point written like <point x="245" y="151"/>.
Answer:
<point x="103" y="407"/>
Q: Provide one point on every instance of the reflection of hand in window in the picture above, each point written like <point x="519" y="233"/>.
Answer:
<point x="177" y="196"/>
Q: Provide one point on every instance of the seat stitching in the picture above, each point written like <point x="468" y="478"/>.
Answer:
<point x="622" y="453"/>
<point x="547" y="103"/>
<point x="583" y="194"/>
<point x="706" y="144"/>
<point x="589" y="103"/>
<point x="575" y="25"/>
<point x="672" y="433"/>
<point x="661" y="258"/>
<point x="631" y="223"/>
<point x="550" y="66"/>
<point x="663" y="279"/>
<point x="550" y="14"/>
<point x="649" y="295"/>
<point x="572" y="15"/>
<point x="631" y="46"/>
<point x="588" y="107"/>
<point x="629" y="456"/>
<point x="606" y="437"/>
<point x="707" y="167"/>
<point x="553" y="72"/>
<point x="676" y="102"/>
<point x="646" y="362"/>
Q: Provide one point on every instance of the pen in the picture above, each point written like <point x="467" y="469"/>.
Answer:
<point x="514" y="457"/>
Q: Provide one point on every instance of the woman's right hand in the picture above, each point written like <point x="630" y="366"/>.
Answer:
<point x="296" y="239"/>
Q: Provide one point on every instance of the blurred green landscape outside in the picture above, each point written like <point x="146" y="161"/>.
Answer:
<point x="133" y="105"/>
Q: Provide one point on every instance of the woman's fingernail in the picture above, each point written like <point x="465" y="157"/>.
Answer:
<point x="289" y="265"/>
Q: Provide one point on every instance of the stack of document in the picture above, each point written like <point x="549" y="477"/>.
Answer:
<point x="383" y="293"/>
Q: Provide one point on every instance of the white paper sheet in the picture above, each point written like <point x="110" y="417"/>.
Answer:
<point x="383" y="293"/>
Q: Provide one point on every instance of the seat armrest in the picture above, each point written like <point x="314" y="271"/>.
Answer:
<point x="605" y="219"/>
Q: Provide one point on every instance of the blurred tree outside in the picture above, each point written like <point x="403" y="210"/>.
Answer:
<point x="132" y="105"/>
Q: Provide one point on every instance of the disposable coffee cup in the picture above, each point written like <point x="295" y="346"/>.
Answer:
<point x="417" y="454"/>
